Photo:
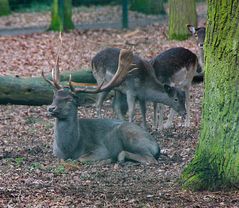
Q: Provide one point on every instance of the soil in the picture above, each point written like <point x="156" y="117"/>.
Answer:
<point x="31" y="176"/>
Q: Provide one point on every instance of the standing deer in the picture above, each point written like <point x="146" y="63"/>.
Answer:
<point x="199" y="33"/>
<point x="175" y="67"/>
<point x="141" y="84"/>
<point x="97" y="139"/>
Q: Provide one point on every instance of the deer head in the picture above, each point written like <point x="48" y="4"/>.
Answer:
<point x="65" y="97"/>
<point x="199" y="33"/>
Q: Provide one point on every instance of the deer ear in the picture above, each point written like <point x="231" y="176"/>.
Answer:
<point x="191" y="29"/>
<point x="169" y="90"/>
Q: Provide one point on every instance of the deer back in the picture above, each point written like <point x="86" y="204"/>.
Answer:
<point x="142" y="83"/>
<point x="175" y="66"/>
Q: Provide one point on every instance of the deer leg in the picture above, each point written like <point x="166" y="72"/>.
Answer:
<point x="169" y="122"/>
<point x="145" y="159"/>
<point x="158" y="116"/>
<point x="120" y="105"/>
<point x="100" y="99"/>
<point x="131" y="105"/>
<point x="187" y="121"/>
<point x="143" y="112"/>
<point x="91" y="157"/>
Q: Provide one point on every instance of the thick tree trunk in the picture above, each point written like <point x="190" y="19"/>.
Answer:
<point x="216" y="161"/>
<point x="61" y="15"/>
<point x="148" y="6"/>
<point x="181" y="13"/>
<point x="36" y="91"/>
<point x="4" y="8"/>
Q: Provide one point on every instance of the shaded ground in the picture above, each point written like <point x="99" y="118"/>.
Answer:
<point x="30" y="176"/>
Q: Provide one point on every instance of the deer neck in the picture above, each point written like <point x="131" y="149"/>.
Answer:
<point x="67" y="135"/>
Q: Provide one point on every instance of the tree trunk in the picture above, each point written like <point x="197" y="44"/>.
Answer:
<point x="61" y="15"/>
<point x="181" y="13"/>
<point x="216" y="161"/>
<point x="36" y="91"/>
<point x="4" y="8"/>
<point x="148" y="6"/>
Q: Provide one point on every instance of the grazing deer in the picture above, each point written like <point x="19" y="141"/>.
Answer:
<point x="199" y="33"/>
<point x="97" y="139"/>
<point x="141" y="84"/>
<point x="175" y="67"/>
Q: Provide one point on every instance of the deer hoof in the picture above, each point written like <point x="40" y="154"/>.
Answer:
<point x="121" y="157"/>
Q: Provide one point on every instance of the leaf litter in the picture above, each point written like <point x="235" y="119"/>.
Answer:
<point x="30" y="176"/>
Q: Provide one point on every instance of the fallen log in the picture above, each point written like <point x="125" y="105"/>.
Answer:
<point x="36" y="91"/>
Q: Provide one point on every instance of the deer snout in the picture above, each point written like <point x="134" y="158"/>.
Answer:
<point x="51" y="108"/>
<point x="200" y="45"/>
<point x="184" y="114"/>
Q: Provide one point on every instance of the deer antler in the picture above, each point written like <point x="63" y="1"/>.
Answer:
<point x="150" y="70"/>
<point x="55" y="71"/>
<point x="124" y="67"/>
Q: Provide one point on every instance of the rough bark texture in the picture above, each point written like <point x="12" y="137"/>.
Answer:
<point x="4" y="8"/>
<point x="61" y="19"/>
<point x="35" y="91"/>
<point x="148" y="6"/>
<point x="216" y="161"/>
<point x="181" y="13"/>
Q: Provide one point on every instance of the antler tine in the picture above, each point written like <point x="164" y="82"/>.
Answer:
<point x="150" y="70"/>
<point x="124" y="67"/>
<point x="56" y="70"/>
<point x="47" y="80"/>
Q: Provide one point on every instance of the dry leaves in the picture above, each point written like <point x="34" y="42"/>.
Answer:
<point x="30" y="176"/>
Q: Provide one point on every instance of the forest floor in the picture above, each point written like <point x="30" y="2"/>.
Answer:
<point x="30" y="176"/>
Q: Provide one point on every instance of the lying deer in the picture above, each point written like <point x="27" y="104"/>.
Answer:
<point x="175" y="67"/>
<point x="199" y="33"/>
<point x="141" y="84"/>
<point x="97" y="139"/>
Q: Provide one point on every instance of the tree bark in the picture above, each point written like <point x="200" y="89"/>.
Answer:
<point x="148" y="6"/>
<point x="61" y="15"/>
<point x="216" y="161"/>
<point x="36" y="91"/>
<point x="181" y="13"/>
<point x="4" y="8"/>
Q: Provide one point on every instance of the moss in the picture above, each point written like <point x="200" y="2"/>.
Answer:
<point x="4" y="8"/>
<point x="181" y="13"/>
<point x="216" y="162"/>
<point x="61" y="16"/>
<point x="175" y="36"/>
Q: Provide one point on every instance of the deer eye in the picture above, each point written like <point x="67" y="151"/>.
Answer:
<point x="176" y="99"/>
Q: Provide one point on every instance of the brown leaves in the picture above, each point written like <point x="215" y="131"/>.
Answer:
<point x="28" y="55"/>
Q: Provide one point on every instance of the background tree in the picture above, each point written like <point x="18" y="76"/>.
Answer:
<point x="148" y="6"/>
<point x="216" y="161"/>
<point x="4" y="8"/>
<point x="61" y="15"/>
<point x="181" y="13"/>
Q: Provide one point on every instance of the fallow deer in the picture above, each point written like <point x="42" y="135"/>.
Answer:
<point x="141" y="84"/>
<point x="175" y="67"/>
<point x="97" y="139"/>
<point x="199" y="33"/>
